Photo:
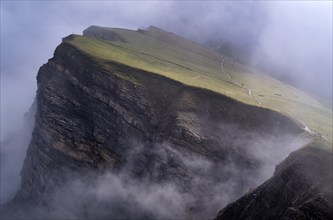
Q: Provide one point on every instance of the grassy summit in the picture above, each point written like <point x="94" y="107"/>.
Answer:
<point x="167" y="54"/>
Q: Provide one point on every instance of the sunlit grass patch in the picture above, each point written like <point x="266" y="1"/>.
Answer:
<point x="196" y="68"/>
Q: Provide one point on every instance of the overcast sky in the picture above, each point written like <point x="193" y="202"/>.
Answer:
<point x="297" y="35"/>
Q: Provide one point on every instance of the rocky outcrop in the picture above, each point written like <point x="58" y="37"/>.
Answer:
<point x="102" y="33"/>
<point x="301" y="188"/>
<point x="91" y="117"/>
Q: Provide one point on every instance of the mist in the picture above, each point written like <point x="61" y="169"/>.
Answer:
<point x="12" y="155"/>
<point x="138" y="191"/>
<point x="293" y="36"/>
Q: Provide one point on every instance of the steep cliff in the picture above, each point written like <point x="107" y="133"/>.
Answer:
<point x="116" y="141"/>
<point x="301" y="188"/>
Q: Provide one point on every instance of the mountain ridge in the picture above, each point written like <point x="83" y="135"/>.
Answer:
<point x="319" y="123"/>
<point x="97" y="115"/>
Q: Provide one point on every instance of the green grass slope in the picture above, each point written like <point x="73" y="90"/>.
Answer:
<point x="167" y="54"/>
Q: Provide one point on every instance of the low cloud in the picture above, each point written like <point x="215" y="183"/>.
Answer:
<point x="163" y="181"/>
<point x="12" y="154"/>
<point x="294" y="37"/>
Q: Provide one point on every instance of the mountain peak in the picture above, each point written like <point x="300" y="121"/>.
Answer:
<point x="153" y="28"/>
<point x="103" y="33"/>
<point x="183" y="129"/>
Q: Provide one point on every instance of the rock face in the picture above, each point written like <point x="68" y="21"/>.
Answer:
<point x="91" y="120"/>
<point x="301" y="188"/>
<point x="102" y="33"/>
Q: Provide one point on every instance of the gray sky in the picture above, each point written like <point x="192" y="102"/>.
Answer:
<point x="297" y="35"/>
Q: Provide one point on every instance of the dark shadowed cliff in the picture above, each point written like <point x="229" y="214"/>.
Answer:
<point x="301" y="188"/>
<point x="116" y="141"/>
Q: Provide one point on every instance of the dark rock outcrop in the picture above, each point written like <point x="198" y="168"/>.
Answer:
<point x="102" y="33"/>
<point x="301" y="188"/>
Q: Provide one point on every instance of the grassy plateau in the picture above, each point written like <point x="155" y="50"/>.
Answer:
<point x="169" y="55"/>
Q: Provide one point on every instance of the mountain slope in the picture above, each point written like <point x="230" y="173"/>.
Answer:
<point x="139" y="125"/>
<point x="301" y="188"/>
<point x="207" y="69"/>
